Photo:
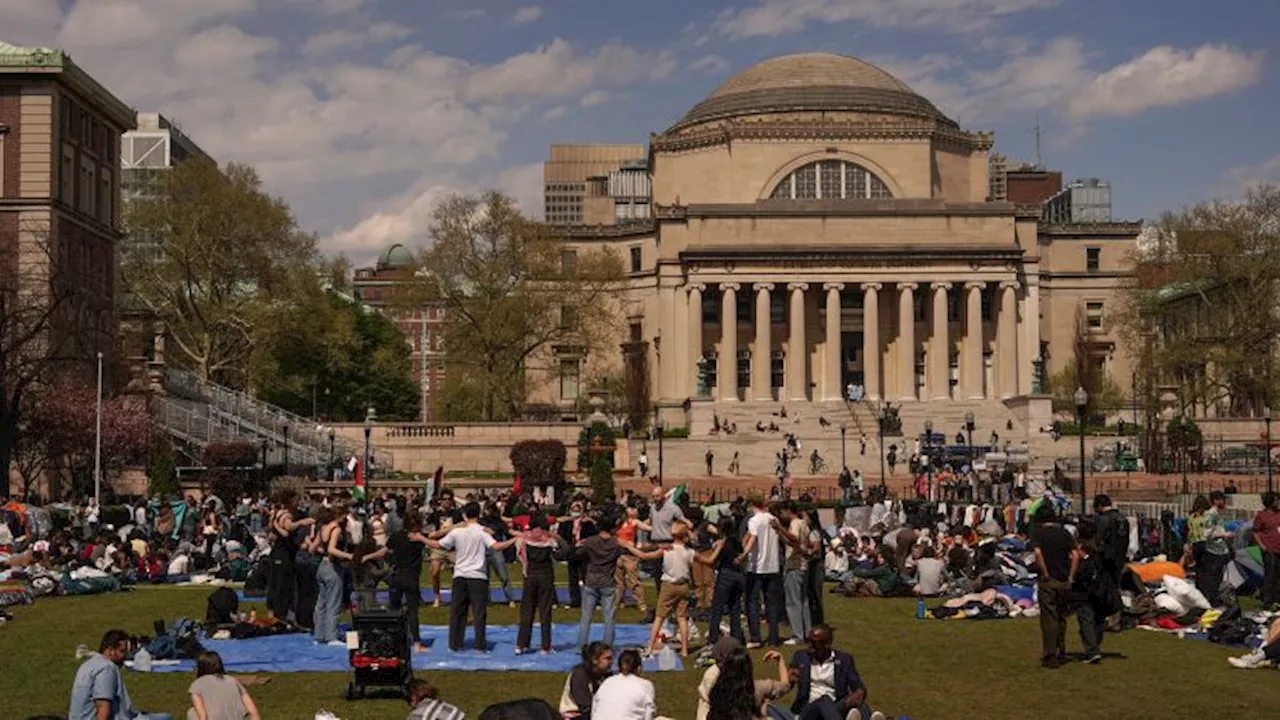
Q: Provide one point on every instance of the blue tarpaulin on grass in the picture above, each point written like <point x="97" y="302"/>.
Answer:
<point x="299" y="653"/>
<point x="429" y="596"/>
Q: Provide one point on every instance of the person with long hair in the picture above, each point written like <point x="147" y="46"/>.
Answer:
<point x="625" y="696"/>
<point x="333" y="544"/>
<point x="1194" y="549"/>
<point x="731" y="583"/>
<point x="732" y="659"/>
<point x="583" y="681"/>
<point x="214" y="696"/>
<point x="281" y="579"/>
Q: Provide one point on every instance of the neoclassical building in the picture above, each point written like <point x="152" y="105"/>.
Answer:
<point x="816" y="223"/>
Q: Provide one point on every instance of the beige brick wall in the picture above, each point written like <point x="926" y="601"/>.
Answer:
<point x="36" y="146"/>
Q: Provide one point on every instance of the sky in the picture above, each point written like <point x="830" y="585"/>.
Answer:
<point x="363" y="114"/>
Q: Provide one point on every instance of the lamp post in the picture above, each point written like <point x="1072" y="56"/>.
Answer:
<point x="1269" y="473"/>
<point x="928" y="466"/>
<point x="369" y="417"/>
<point x="1082" y="400"/>
<point x="880" y="434"/>
<point x="968" y="428"/>
<point x="662" y="430"/>
<point x="264" y="460"/>
<point x="284" y="431"/>
<point x="97" y="443"/>
<point x="331" y="434"/>
<point x="844" y="463"/>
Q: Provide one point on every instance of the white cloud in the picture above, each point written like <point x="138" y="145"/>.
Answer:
<point x="404" y="219"/>
<point x="596" y="97"/>
<point x="380" y="32"/>
<point x="1165" y="76"/>
<point x="710" y="64"/>
<point x="1241" y="178"/>
<point x="525" y="15"/>
<point x="524" y="184"/>
<point x="557" y="69"/>
<point x="771" y="18"/>
<point x="555" y="113"/>
<point x="29" y="22"/>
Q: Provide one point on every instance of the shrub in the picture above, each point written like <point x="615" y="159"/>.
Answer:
<point x="237" y="453"/>
<point x="540" y="462"/>
<point x="162" y="476"/>
<point x="678" y="433"/>
<point x="602" y="490"/>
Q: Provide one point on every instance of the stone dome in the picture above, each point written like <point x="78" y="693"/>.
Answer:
<point x="396" y="255"/>
<point x="812" y="82"/>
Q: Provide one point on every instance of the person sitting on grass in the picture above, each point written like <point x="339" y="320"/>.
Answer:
<point x="98" y="692"/>
<point x="425" y="700"/>
<point x="1266" y="656"/>
<point x="828" y="686"/>
<point x="730" y="686"/>
<point x="214" y="696"/>
<point x="584" y="680"/>
<point x="625" y="696"/>
<point x="677" y="578"/>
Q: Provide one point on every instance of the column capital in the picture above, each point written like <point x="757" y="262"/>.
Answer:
<point x="837" y="286"/>
<point x="1009" y="285"/>
<point x="975" y="285"/>
<point x="908" y="286"/>
<point x="872" y="287"/>
<point x="700" y="287"/>
<point x="801" y="286"/>
<point x="731" y="286"/>
<point x="940" y="285"/>
<point x="763" y="286"/>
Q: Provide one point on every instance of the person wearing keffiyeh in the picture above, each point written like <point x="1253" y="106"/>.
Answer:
<point x="537" y="552"/>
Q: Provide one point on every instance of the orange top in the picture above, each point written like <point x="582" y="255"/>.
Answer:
<point x="627" y="531"/>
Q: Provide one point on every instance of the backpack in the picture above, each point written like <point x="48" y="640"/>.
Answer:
<point x="222" y="606"/>
<point x="1114" y="542"/>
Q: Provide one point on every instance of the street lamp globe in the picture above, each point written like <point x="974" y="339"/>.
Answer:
<point x="968" y="419"/>
<point x="1082" y="399"/>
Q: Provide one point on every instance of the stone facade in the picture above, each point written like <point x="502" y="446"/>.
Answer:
<point x="811" y="235"/>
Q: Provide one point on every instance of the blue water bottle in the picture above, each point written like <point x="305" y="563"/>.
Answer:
<point x="920" y="607"/>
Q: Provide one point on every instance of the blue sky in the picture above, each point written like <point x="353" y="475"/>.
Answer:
<point x="364" y="113"/>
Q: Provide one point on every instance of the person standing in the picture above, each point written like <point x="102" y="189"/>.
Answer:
<point x="336" y="553"/>
<point x="599" y="555"/>
<point x="662" y="515"/>
<point x="627" y="575"/>
<point x="1217" y="551"/>
<point x="761" y="552"/>
<point x="470" y="576"/>
<point x="731" y="584"/>
<point x="677" y="581"/>
<point x="284" y="550"/>
<point x="1112" y="538"/>
<point x="795" y="536"/>
<point x="1056" y="565"/>
<point x="494" y="521"/>
<point x="644" y="462"/>
<point x="1266" y="531"/>
<point x="406" y="546"/>
<point x="537" y="551"/>
<point x="710" y="458"/>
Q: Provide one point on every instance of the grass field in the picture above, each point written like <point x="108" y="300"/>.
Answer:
<point x="919" y="669"/>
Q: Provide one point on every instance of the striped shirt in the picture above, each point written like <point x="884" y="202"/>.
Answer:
<point x="431" y="709"/>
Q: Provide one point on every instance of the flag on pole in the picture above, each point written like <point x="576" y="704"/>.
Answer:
<point x="518" y="487"/>
<point x="357" y="467"/>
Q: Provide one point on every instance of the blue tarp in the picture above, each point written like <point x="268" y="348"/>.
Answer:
<point x="299" y="653"/>
<point x="429" y="596"/>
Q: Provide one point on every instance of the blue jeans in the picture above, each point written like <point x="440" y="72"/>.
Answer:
<point x="828" y="709"/>
<point x="328" y="602"/>
<point x="498" y="563"/>
<point x="590" y="597"/>
<point x="795" y="587"/>
<point x="731" y="586"/>
<point x="770" y="584"/>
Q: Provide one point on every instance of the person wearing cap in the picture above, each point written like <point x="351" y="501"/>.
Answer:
<point x="766" y="689"/>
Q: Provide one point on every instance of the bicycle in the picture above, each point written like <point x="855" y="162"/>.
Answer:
<point x="817" y="466"/>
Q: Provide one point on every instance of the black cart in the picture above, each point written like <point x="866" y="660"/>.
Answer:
<point x="383" y="655"/>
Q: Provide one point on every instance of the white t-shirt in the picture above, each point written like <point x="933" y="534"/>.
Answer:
<point x="624" y="697"/>
<point x="140" y="516"/>
<point x="470" y="543"/>
<point x="822" y="679"/>
<point x="764" y="557"/>
<point x="677" y="564"/>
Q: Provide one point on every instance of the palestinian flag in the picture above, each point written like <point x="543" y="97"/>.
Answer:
<point x="356" y="467"/>
<point x="678" y="494"/>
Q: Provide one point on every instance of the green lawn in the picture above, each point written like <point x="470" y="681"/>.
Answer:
<point x="920" y="669"/>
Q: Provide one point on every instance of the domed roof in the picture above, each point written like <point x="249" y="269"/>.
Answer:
<point x="396" y="255"/>
<point x="812" y="81"/>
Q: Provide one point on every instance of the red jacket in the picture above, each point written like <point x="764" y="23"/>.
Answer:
<point x="1266" y="530"/>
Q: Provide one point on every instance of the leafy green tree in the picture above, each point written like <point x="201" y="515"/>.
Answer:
<point x="602" y="489"/>
<point x="162" y="476"/>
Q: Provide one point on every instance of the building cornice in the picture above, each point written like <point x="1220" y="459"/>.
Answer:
<point x="597" y="232"/>
<point x="728" y="132"/>
<point x="835" y="208"/>
<point x="47" y="61"/>
<point x="1127" y="230"/>
<point x="974" y="255"/>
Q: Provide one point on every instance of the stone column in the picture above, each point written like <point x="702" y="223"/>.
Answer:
<point x="680" y="388"/>
<point x="939" y="350"/>
<point x="831" y="365"/>
<point x="797" y="349"/>
<point x="1031" y="321"/>
<point x="727" y="360"/>
<point x="1007" y="341"/>
<point x="669" y="347"/>
<point x="971" y="357"/>
<point x="871" y="352"/>
<point x="906" y="341"/>
<point x="762" y="350"/>
<point x="695" y="336"/>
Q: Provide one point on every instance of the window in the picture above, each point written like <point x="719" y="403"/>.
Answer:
<point x="953" y="306"/>
<point x="919" y="305"/>
<point x="777" y="368"/>
<point x="636" y="259"/>
<point x="67" y="176"/>
<point x="744" y="368"/>
<point x="1093" y="259"/>
<point x="570" y="374"/>
<point x="706" y="373"/>
<point x="745" y="307"/>
<point x="988" y="301"/>
<point x="711" y="306"/>
<point x="106" y="206"/>
<point x="636" y="332"/>
<point x="88" y="186"/>
<point x="1093" y="316"/>
<point x="831" y="179"/>
<point x="568" y="317"/>
<point x="569" y="262"/>
<point x="777" y="307"/>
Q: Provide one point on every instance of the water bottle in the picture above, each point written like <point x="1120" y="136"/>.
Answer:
<point x="667" y="659"/>
<point x="920" y="609"/>
<point x="142" y="661"/>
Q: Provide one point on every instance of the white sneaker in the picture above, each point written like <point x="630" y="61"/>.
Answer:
<point x="1245" y="662"/>
<point x="791" y="641"/>
<point x="877" y="715"/>
<point x="336" y="643"/>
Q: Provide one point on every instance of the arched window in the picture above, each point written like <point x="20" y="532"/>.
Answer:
<point x="827" y="179"/>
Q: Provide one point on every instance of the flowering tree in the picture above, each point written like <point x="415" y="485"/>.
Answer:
<point x="60" y="424"/>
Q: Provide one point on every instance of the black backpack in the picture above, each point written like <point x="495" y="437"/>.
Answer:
<point x="1114" y="542"/>
<point x="222" y="606"/>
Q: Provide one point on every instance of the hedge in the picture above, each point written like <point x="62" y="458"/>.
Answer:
<point x="540" y="462"/>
